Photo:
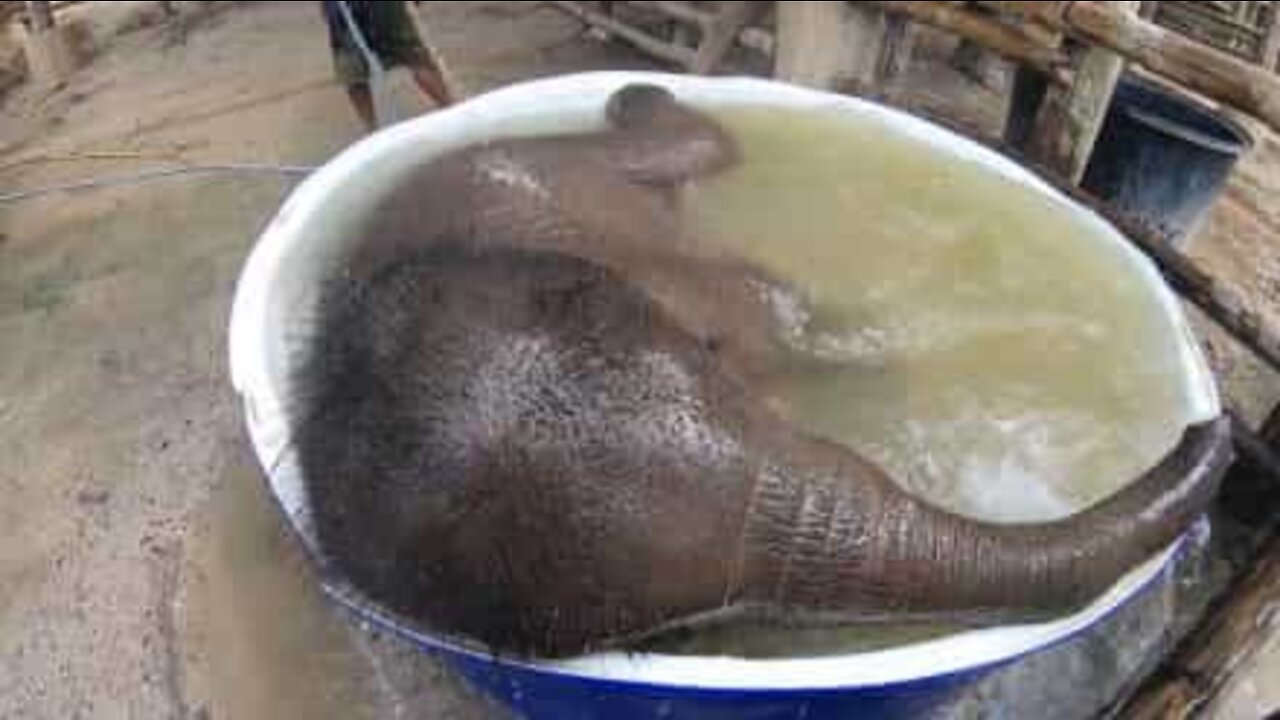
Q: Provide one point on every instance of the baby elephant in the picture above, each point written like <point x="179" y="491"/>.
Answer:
<point x="507" y="437"/>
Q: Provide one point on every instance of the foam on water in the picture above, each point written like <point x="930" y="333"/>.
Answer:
<point x="996" y="362"/>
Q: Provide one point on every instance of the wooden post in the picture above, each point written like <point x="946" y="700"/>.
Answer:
<point x="970" y="58"/>
<point x="828" y="45"/>
<point x="50" y="56"/>
<point x="722" y="32"/>
<point x="1271" y="43"/>
<point x="41" y="15"/>
<point x="1022" y="44"/>
<point x="1069" y="119"/>
<point x="895" y="52"/>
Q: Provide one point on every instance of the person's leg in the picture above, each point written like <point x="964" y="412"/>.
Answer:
<point x="431" y="81"/>
<point x="362" y="100"/>
<point x="350" y="70"/>
<point x="400" y="45"/>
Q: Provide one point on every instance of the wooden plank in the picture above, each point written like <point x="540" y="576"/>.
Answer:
<point x="1070" y="118"/>
<point x="668" y="52"/>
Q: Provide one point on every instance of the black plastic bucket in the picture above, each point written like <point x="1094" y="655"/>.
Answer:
<point x="1162" y="158"/>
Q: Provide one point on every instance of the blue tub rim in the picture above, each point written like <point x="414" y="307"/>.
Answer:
<point x="274" y="286"/>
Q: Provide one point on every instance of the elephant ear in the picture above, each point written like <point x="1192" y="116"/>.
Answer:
<point x="656" y="141"/>
<point x="636" y="106"/>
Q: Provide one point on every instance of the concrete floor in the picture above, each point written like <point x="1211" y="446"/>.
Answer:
<point x="143" y="573"/>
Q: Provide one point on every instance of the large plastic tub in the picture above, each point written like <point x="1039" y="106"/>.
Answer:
<point x="1163" y="158"/>
<point x="278" y="288"/>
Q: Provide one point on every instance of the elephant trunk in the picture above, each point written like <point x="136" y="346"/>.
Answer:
<point x="844" y="542"/>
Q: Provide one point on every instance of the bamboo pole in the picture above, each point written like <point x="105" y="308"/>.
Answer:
<point x="1019" y="44"/>
<point x="1193" y="65"/>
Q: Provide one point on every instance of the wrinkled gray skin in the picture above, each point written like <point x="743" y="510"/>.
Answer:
<point x="523" y="425"/>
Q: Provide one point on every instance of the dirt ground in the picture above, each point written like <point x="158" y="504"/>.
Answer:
<point x="143" y="573"/>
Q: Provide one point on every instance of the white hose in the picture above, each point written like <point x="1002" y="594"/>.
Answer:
<point x="384" y="111"/>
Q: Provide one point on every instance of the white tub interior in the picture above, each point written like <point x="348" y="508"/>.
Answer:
<point x="277" y="288"/>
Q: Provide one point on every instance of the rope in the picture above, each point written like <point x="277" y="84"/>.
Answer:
<point x="145" y="176"/>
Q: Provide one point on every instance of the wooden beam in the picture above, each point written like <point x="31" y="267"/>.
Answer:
<point x="1010" y="41"/>
<point x="1193" y="65"/>
<point x="668" y="52"/>
<point x="1070" y="118"/>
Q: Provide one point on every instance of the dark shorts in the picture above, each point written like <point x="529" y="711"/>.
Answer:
<point x="389" y="32"/>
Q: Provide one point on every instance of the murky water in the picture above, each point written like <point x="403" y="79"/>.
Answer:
<point x="999" y="364"/>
